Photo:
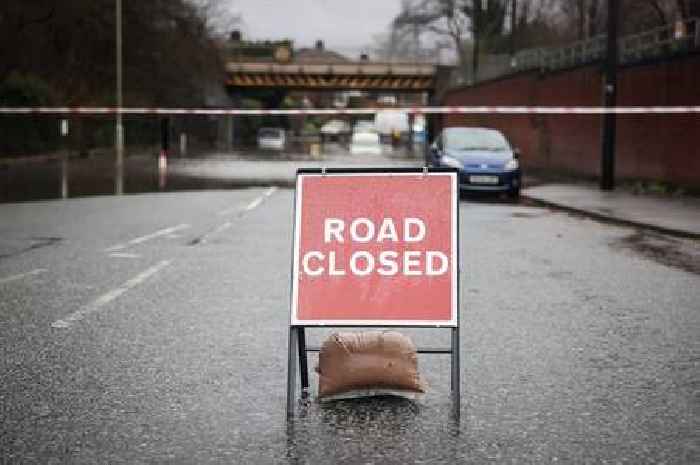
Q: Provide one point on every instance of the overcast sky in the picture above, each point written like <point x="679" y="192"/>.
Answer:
<point x="344" y="25"/>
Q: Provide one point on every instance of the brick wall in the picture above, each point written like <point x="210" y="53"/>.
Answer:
<point x="650" y="147"/>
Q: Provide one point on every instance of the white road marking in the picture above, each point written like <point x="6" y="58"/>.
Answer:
<point x="240" y="210"/>
<point x="124" y="255"/>
<point x="139" y="240"/>
<point x="253" y="204"/>
<point x="219" y="229"/>
<point x="228" y="211"/>
<point x="104" y="299"/>
<point x="22" y="275"/>
<point x="223" y="227"/>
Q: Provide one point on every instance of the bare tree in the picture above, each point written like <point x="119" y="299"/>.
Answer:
<point x="488" y="22"/>
<point x="583" y="16"/>
<point x="440" y="17"/>
<point x="588" y="17"/>
<point x="536" y="25"/>
<point x="218" y="15"/>
<point x="397" y="45"/>
<point x="468" y="24"/>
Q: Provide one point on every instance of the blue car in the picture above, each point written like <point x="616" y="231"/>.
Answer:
<point x="484" y="158"/>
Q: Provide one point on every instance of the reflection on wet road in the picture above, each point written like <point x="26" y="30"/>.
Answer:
<point x="98" y="175"/>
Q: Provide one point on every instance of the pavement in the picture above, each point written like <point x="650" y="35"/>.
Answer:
<point x="677" y="216"/>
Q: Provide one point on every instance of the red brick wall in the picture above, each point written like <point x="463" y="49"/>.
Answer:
<point x="653" y="147"/>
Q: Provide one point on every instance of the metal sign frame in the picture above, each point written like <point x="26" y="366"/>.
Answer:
<point x="297" y="347"/>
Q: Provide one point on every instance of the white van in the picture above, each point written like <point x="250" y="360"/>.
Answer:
<point x="388" y="122"/>
<point x="271" y="138"/>
<point x="365" y="143"/>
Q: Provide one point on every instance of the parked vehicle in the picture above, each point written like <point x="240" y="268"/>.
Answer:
<point x="365" y="143"/>
<point x="364" y="126"/>
<point x="484" y="158"/>
<point x="272" y="138"/>
<point x="335" y="130"/>
<point x="391" y="124"/>
<point x="335" y="127"/>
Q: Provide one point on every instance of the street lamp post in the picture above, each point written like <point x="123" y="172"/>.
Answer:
<point x="607" y="169"/>
<point x="119" y="136"/>
<point x="513" y="25"/>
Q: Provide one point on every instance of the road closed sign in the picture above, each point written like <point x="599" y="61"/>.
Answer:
<point x="375" y="249"/>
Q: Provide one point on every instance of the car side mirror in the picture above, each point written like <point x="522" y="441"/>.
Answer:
<point x="516" y="153"/>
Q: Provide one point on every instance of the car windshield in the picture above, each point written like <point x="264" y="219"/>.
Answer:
<point x="364" y="126"/>
<point x="474" y="139"/>
<point x="269" y="132"/>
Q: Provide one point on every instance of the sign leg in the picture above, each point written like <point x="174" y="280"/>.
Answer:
<point x="303" y="363"/>
<point x="455" y="381"/>
<point x="291" y="371"/>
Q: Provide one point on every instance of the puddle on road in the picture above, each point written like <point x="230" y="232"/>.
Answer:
<point x="669" y="251"/>
<point x="15" y="247"/>
<point x="97" y="175"/>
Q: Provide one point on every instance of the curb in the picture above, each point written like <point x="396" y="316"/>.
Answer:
<point x="281" y="183"/>
<point x="613" y="219"/>
<point x="14" y="161"/>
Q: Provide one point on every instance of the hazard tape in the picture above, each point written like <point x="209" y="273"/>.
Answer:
<point x="446" y="110"/>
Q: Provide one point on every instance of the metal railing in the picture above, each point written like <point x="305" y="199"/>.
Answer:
<point x="654" y="43"/>
<point x="678" y="37"/>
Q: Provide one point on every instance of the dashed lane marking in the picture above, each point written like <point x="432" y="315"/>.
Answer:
<point x="221" y="228"/>
<point x="148" y="237"/>
<point x="256" y="203"/>
<point x="104" y="299"/>
<point x="253" y="204"/>
<point x="124" y="255"/>
<point x="16" y="277"/>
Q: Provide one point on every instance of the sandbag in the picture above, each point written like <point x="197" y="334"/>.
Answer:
<point x="369" y="363"/>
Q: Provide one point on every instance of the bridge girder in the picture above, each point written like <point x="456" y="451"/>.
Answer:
<point x="326" y="82"/>
<point x="345" y="76"/>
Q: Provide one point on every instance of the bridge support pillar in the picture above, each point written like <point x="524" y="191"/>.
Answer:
<point x="431" y="127"/>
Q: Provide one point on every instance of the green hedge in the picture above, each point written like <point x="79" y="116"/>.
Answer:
<point x="22" y="134"/>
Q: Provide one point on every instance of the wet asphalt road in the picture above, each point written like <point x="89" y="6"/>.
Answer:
<point x="575" y="349"/>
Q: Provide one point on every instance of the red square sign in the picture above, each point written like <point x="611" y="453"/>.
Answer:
<point x="375" y="249"/>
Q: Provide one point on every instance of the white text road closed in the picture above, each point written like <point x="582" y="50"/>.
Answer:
<point x="363" y="262"/>
<point x="375" y="248"/>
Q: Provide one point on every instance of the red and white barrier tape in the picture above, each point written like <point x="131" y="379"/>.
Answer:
<point x="447" y="110"/>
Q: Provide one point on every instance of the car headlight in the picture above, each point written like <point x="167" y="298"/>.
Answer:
<point x="511" y="165"/>
<point x="451" y="162"/>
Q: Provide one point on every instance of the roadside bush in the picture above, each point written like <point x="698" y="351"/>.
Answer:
<point x="310" y="128"/>
<point x="23" y="134"/>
